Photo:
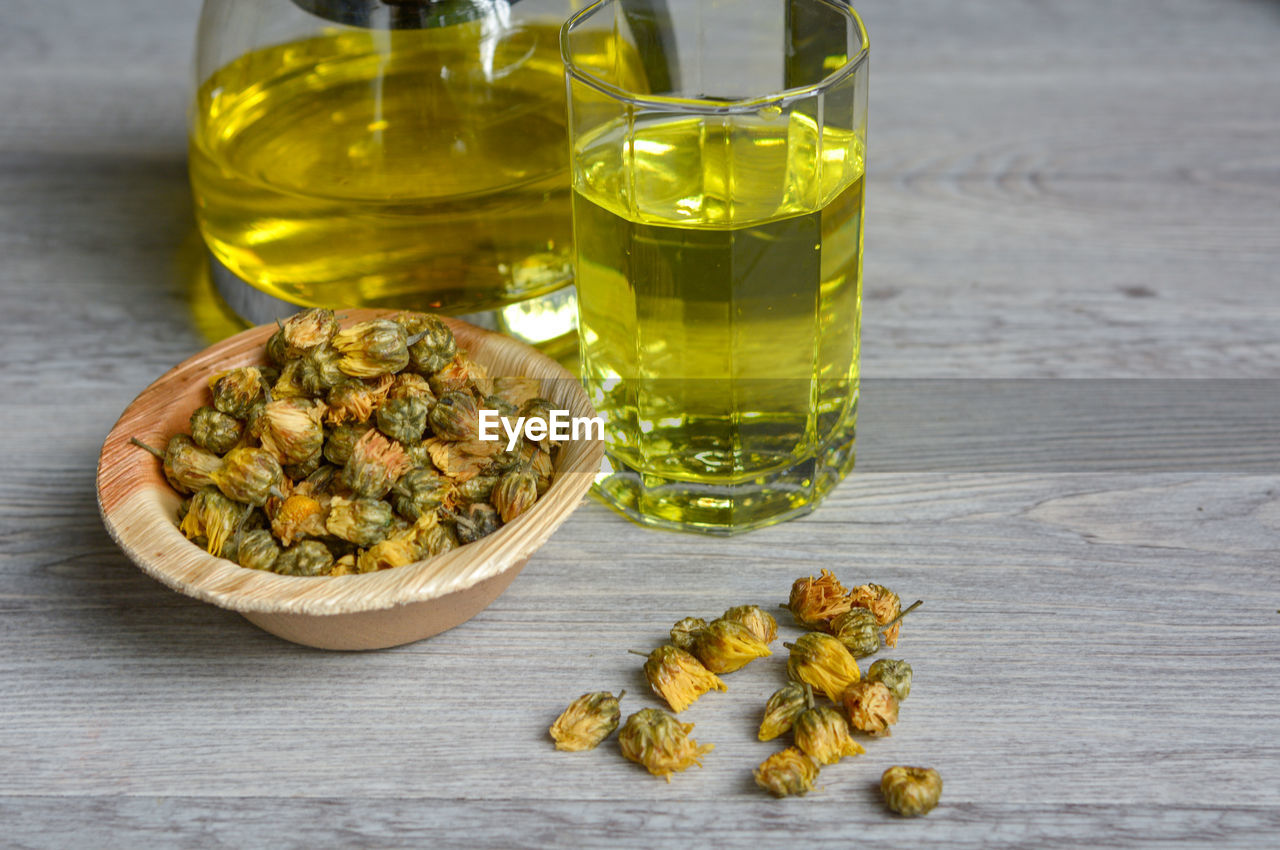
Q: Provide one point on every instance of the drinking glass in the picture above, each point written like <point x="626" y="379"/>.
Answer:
<point x="717" y="222"/>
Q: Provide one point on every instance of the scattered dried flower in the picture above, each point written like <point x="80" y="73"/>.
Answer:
<point x="911" y="791"/>
<point x="758" y="621"/>
<point x="896" y="676"/>
<point x="783" y="708"/>
<point x="871" y="706"/>
<point x="725" y="646"/>
<point x="682" y="632"/>
<point x="823" y="733"/>
<point x="882" y="602"/>
<point x="678" y="677"/>
<point x="587" y="721"/>
<point x="660" y="743"/>
<point x="822" y="661"/>
<point x="815" y="601"/>
<point x="786" y="773"/>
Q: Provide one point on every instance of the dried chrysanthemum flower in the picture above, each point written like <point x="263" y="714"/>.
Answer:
<point x="859" y="628"/>
<point x="896" y="676"/>
<point x="815" y="601"/>
<point x="782" y="709"/>
<point x="660" y="743"/>
<point x="257" y="550"/>
<point x="823" y="733"/>
<point x="501" y="406"/>
<point x="298" y="516"/>
<point x="460" y="374"/>
<point x="300" y="334"/>
<point x="308" y="558"/>
<point x="787" y="772"/>
<point x="187" y="467"/>
<point x="758" y="621"/>
<point x="822" y="661"/>
<point x="403" y="419"/>
<point x="338" y="396"/>
<point x="541" y="463"/>
<point x="213" y="517"/>
<point x="312" y="374"/>
<point x="341" y="439"/>
<point x="419" y="456"/>
<point x="354" y="400"/>
<point x="389" y="554"/>
<point x="517" y="390"/>
<point x="215" y="431"/>
<point x="410" y="385"/>
<point x="375" y="464"/>
<point x="318" y="483"/>
<point x="911" y="791"/>
<point x="474" y="521"/>
<point x="344" y="566"/>
<point x="478" y="489"/>
<point x="249" y="475"/>
<point x="515" y="492"/>
<point x="235" y="392"/>
<point x="871" y="706"/>
<point x="290" y="429"/>
<point x="724" y="646"/>
<point x="882" y="602"/>
<point x="435" y="346"/>
<point x="682" y="632"/>
<point x="455" y="417"/>
<point x="437" y="540"/>
<point x="372" y="348"/>
<point x="302" y="469"/>
<point x="420" y="492"/>
<point x="539" y="408"/>
<point x="678" y="677"/>
<point x="587" y="721"/>
<point x="288" y="385"/>
<point x="461" y="460"/>
<point x="363" y="522"/>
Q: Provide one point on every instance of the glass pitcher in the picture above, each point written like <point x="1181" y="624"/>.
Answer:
<point x="388" y="153"/>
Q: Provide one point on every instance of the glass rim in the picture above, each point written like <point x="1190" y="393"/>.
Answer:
<point x="692" y="104"/>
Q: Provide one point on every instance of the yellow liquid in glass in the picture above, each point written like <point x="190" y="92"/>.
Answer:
<point x="410" y="168"/>
<point x="719" y="271"/>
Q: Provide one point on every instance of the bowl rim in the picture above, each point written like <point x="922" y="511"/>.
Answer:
<point x="138" y="507"/>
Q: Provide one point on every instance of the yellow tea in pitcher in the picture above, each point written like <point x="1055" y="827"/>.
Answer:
<point x="422" y="168"/>
<point x="719" y="272"/>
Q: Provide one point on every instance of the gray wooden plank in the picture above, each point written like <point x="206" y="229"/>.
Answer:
<point x="230" y="822"/>
<point x="1084" y="190"/>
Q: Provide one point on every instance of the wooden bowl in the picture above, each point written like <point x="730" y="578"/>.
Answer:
<point x="368" y="611"/>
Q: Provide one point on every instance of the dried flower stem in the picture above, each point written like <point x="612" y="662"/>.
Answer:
<point x="143" y="445"/>
<point x="913" y="606"/>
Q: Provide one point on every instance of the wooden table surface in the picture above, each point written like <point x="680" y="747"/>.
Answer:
<point x="1058" y="190"/>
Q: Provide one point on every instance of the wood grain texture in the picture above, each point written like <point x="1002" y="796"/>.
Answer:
<point x="1086" y="189"/>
